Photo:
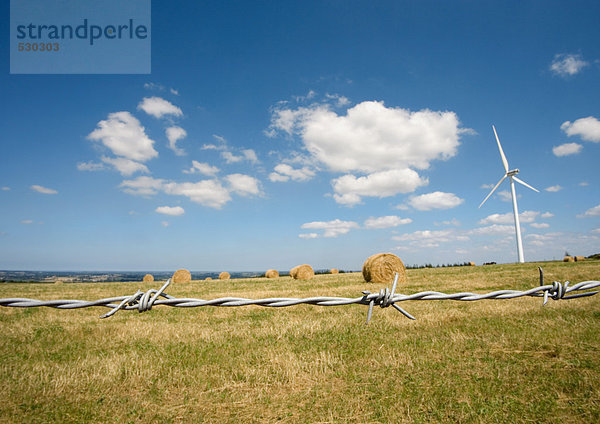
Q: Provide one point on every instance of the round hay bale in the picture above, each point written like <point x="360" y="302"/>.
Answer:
<point x="181" y="276"/>
<point x="58" y="282"/>
<point x="208" y="279"/>
<point x="568" y="259"/>
<point x="471" y="263"/>
<point x="381" y="267"/>
<point x="148" y="278"/>
<point x="334" y="271"/>
<point x="271" y="273"/>
<point x="579" y="258"/>
<point x="302" y="272"/>
<point x="224" y="276"/>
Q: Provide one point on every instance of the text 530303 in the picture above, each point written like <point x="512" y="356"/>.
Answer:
<point x="38" y="47"/>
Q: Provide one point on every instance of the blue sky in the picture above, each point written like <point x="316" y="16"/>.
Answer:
<point x="271" y="134"/>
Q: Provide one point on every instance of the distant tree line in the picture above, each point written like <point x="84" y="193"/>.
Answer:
<point x="438" y="265"/>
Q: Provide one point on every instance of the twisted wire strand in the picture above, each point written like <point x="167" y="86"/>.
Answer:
<point x="144" y="301"/>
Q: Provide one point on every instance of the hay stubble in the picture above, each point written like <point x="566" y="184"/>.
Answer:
<point x="484" y="361"/>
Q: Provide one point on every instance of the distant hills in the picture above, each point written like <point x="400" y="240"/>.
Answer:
<point x="103" y="276"/>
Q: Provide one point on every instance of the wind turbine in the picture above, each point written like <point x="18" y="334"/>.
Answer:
<point x="511" y="174"/>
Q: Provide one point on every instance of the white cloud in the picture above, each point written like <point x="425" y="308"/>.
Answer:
<point x="208" y="193"/>
<point x="153" y="86"/>
<point x="428" y="239"/>
<point x="583" y="184"/>
<point x="587" y="128"/>
<point x="42" y="189"/>
<point x="371" y="139"/>
<point x="124" y="136"/>
<point x="220" y="139"/>
<point x="159" y="107"/>
<point x="90" y="166"/>
<point x="231" y="158"/>
<point x="349" y="189"/>
<point x="509" y="218"/>
<point x="174" y="134"/>
<point x="308" y="236"/>
<point x="595" y="211"/>
<point x="142" y="186"/>
<point x="546" y="215"/>
<point x="284" y="172"/>
<point x="386" y="222"/>
<point x="164" y="223"/>
<point x="567" y="149"/>
<point x="125" y="166"/>
<point x="228" y="154"/>
<point x="487" y="186"/>
<point x="222" y="144"/>
<point x="554" y="188"/>
<point x="244" y="185"/>
<point x="340" y="101"/>
<point x="331" y="228"/>
<point x="173" y="91"/>
<point x="540" y="225"/>
<point x="567" y="64"/>
<point x="454" y="222"/>
<point x="27" y="222"/>
<point x="170" y="210"/>
<point x="494" y="229"/>
<point x="247" y="154"/>
<point x="397" y="138"/>
<point x="540" y="239"/>
<point x="5" y="188"/>
<point x="439" y="235"/>
<point x="250" y="155"/>
<point x="505" y="196"/>
<point x="202" y="168"/>
<point x="543" y="238"/>
<point x="596" y="231"/>
<point x="435" y="200"/>
<point x="285" y="120"/>
<point x="278" y="178"/>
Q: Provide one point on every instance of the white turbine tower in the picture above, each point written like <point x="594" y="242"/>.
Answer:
<point x="511" y="174"/>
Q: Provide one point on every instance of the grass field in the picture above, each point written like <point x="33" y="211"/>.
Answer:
<point x="492" y="361"/>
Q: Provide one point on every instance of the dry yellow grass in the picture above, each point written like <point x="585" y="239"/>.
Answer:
<point x="488" y="361"/>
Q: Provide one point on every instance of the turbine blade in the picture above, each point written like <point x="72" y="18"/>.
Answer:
<point x="504" y="161"/>
<point x="525" y="184"/>
<point x="493" y="190"/>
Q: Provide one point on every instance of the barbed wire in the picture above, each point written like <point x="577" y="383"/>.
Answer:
<point x="144" y="301"/>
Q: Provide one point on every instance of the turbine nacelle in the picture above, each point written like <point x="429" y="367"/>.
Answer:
<point x="512" y="172"/>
